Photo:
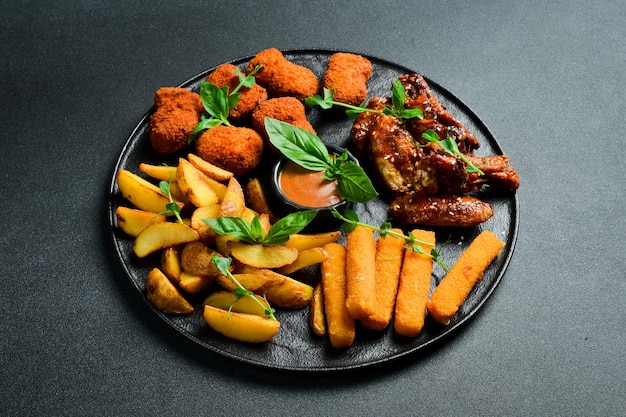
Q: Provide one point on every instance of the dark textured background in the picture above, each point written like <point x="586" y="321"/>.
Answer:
<point x="548" y="78"/>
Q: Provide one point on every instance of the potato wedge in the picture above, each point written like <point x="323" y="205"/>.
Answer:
<point x="194" y="284"/>
<point x="196" y="259"/>
<point x="233" y="202"/>
<point x="248" y="214"/>
<point x="163" y="235"/>
<point x="255" y="196"/>
<point x="164" y="295"/>
<point x="207" y="235"/>
<point x="222" y="244"/>
<point x="305" y="258"/>
<point x="280" y="290"/>
<point x="307" y="241"/>
<point x="170" y="263"/>
<point x="141" y="193"/>
<point x="241" y="326"/>
<point x="208" y="169"/>
<point x="159" y="172"/>
<point x="227" y="300"/>
<point x="317" y="317"/>
<point x="263" y="256"/>
<point x="193" y="185"/>
<point x="133" y="221"/>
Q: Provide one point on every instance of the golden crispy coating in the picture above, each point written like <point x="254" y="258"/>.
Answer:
<point x="223" y="76"/>
<point x="237" y="149"/>
<point x="282" y="77"/>
<point x="286" y="109"/>
<point x="177" y="112"/>
<point x="346" y="76"/>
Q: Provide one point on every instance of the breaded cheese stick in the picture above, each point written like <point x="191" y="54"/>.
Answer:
<point x="389" y="254"/>
<point x="361" y="272"/>
<point x="339" y="323"/>
<point x="464" y="274"/>
<point x="414" y="288"/>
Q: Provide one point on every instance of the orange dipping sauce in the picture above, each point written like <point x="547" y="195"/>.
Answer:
<point x="307" y="188"/>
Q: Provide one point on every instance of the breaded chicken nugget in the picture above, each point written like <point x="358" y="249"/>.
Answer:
<point x="282" y="77"/>
<point x="346" y="76"/>
<point x="223" y="76"/>
<point x="177" y="112"/>
<point x="286" y="109"/>
<point x="236" y="149"/>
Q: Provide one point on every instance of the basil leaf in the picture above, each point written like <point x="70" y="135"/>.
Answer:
<point x="287" y="226"/>
<point x="354" y="185"/>
<point x="449" y="145"/>
<point x="233" y="99"/>
<point x="299" y="145"/>
<point x="215" y="100"/>
<point x="411" y="114"/>
<point x="256" y="230"/>
<point x="398" y="95"/>
<point x="222" y="264"/>
<point x="430" y="136"/>
<point x="232" y="226"/>
<point x="317" y="101"/>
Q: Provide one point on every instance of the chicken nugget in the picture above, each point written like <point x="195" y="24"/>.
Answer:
<point x="346" y="76"/>
<point x="286" y="109"/>
<point x="282" y="77"/>
<point x="177" y="111"/>
<point x="237" y="149"/>
<point x="225" y="76"/>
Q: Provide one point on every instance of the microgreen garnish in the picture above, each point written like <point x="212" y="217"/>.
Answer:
<point x="351" y="221"/>
<point x="172" y="207"/>
<point x="307" y="150"/>
<point x="223" y="264"/>
<point x="253" y="232"/>
<point x="450" y="146"/>
<point x="398" y="98"/>
<point x="218" y="102"/>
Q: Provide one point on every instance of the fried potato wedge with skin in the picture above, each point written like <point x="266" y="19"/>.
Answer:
<point x="159" y="172"/>
<point x="194" y="284"/>
<point x="141" y="193"/>
<point x="317" y="318"/>
<point x="196" y="258"/>
<point x="133" y="221"/>
<point x="305" y="258"/>
<point x="233" y="202"/>
<point x="250" y="281"/>
<point x="223" y="242"/>
<point x="207" y="235"/>
<point x="208" y="169"/>
<point x="170" y="263"/>
<point x="280" y="290"/>
<point x="218" y="187"/>
<point x="227" y="300"/>
<point x="255" y="196"/>
<point x="163" y="235"/>
<point x="164" y="295"/>
<point x="241" y="326"/>
<point x="192" y="184"/>
<point x="263" y="256"/>
<point x="307" y="241"/>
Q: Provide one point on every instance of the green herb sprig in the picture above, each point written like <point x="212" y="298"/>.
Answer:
<point x="253" y="232"/>
<point x="172" y="207"/>
<point x="307" y="150"/>
<point x="351" y="221"/>
<point x="218" y="102"/>
<point x="223" y="264"/>
<point x="449" y="145"/>
<point x="398" y="99"/>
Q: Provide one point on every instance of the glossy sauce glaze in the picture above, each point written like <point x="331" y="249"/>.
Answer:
<point x="307" y="188"/>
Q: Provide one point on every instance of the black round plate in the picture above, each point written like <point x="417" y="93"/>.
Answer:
<point x="295" y="347"/>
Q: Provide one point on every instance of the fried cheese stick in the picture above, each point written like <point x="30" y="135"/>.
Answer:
<point x="389" y="254"/>
<point x="361" y="272"/>
<point x="339" y="323"/>
<point x="414" y="288"/>
<point x="463" y="276"/>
